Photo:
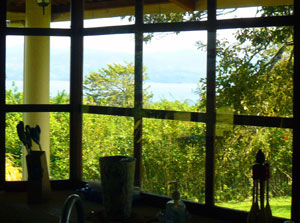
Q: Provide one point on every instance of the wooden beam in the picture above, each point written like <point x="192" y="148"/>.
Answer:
<point x="2" y="91"/>
<point x="211" y="104"/>
<point x="187" y="5"/>
<point x="138" y="91"/>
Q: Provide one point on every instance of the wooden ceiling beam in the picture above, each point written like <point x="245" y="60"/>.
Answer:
<point x="187" y="5"/>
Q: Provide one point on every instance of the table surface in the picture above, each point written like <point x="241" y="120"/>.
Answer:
<point x="15" y="209"/>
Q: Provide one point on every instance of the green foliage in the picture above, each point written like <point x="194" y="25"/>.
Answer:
<point x="59" y="144"/>
<point x="104" y="136"/>
<point x="174" y="150"/>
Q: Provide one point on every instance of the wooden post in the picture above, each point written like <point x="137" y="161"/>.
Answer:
<point x="2" y="91"/>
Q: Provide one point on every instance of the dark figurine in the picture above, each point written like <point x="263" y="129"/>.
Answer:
<point x="259" y="213"/>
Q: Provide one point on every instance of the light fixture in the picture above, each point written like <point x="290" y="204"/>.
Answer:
<point x="43" y="3"/>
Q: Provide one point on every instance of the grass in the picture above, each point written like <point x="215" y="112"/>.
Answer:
<point x="280" y="206"/>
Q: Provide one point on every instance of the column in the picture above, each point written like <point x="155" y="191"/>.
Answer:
<point x="36" y="73"/>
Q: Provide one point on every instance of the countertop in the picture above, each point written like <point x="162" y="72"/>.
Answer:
<point x="15" y="209"/>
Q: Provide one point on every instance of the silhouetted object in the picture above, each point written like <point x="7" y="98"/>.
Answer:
<point x="38" y="186"/>
<point x="72" y="200"/>
<point x="27" y="134"/>
<point x="259" y="213"/>
<point x="117" y="179"/>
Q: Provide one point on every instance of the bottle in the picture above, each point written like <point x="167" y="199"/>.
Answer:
<point x="175" y="209"/>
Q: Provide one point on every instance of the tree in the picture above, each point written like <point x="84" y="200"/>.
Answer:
<point x="113" y="86"/>
<point x="254" y="76"/>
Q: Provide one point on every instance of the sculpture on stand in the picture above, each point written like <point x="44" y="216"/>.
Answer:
<point x="259" y="213"/>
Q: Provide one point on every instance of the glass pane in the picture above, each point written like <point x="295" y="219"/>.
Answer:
<point x="233" y="10"/>
<point x="59" y="145"/>
<point x="174" y="150"/>
<point x="236" y="152"/>
<point x="53" y="62"/>
<point x="14" y="69"/>
<point x="255" y="71"/>
<point x="175" y="71"/>
<point x="59" y="70"/>
<point x="61" y="25"/>
<point x="109" y="70"/>
<point x="104" y="135"/>
<point x="57" y="139"/>
<point x="13" y="147"/>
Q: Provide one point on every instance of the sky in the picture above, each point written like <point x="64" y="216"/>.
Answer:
<point x="173" y="62"/>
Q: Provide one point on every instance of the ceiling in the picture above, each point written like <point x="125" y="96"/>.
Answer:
<point x="110" y="8"/>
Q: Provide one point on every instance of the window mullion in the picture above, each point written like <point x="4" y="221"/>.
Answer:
<point x="138" y="90"/>
<point x="211" y="105"/>
<point x="76" y="71"/>
<point x="296" y="97"/>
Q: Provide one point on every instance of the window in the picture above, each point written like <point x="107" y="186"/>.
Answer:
<point x="216" y="98"/>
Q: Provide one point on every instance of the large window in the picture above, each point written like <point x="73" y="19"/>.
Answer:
<point x="192" y="90"/>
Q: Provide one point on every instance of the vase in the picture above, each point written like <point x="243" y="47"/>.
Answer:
<point x="38" y="185"/>
<point x="117" y="181"/>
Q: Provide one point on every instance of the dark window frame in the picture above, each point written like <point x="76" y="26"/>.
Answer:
<point x="76" y="108"/>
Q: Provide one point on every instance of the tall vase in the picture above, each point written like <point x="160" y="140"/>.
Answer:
<point x="38" y="186"/>
<point x="117" y="179"/>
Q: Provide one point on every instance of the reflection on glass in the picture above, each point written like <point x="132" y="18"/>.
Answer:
<point x="104" y="135"/>
<point x="59" y="145"/>
<point x="109" y="70"/>
<point x="236" y="152"/>
<point x="59" y="70"/>
<point x="58" y="11"/>
<point x="174" y="11"/>
<point x="109" y="21"/>
<point x="60" y="25"/>
<point x="234" y="11"/>
<point x="174" y="150"/>
<point x="175" y="69"/>
<point x="108" y="13"/>
<point x="255" y="71"/>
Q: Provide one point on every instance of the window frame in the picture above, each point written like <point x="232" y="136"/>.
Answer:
<point x="76" y="107"/>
